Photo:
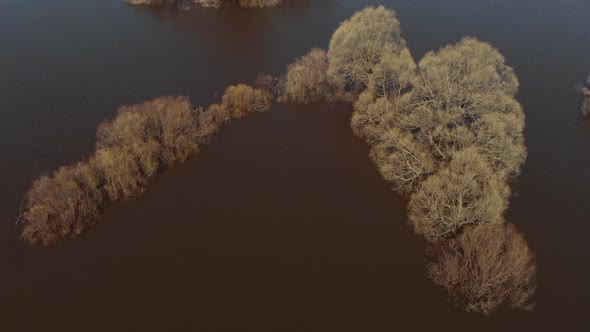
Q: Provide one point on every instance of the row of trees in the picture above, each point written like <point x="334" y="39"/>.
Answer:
<point x="209" y="3"/>
<point x="447" y="133"/>
<point x="130" y="151"/>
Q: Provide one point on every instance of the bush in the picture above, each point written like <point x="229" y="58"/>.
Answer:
<point x="211" y="121"/>
<point x="486" y="266"/>
<point x="241" y="99"/>
<point x="170" y="122"/>
<point x="306" y="79"/>
<point x="127" y="171"/>
<point x="266" y="83"/>
<point x="62" y="205"/>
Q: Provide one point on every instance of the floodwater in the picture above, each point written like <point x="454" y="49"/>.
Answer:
<point x="284" y="224"/>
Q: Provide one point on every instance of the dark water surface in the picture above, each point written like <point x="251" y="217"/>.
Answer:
<point x="284" y="224"/>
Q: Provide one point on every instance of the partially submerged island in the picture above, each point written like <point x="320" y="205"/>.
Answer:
<point x="446" y="132"/>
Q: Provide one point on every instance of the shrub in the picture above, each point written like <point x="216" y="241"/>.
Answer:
<point x="401" y="160"/>
<point x="210" y="122"/>
<point x="170" y="122"/>
<point x="127" y="171"/>
<point x="486" y="266"/>
<point x="393" y="74"/>
<point x="61" y="205"/>
<point x="266" y="83"/>
<point x="306" y="79"/>
<point x="241" y="99"/>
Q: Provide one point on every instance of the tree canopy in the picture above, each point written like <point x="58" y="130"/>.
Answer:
<point x="359" y="44"/>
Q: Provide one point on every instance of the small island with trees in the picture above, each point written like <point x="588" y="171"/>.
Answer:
<point x="446" y="132"/>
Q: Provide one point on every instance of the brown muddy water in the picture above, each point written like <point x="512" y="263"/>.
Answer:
<point x="284" y="224"/>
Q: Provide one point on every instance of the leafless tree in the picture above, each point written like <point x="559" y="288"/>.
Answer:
<point x="306" y="79"/>
<point x="358" y="45"/>
<point x="486" y="266"/>
<point x="464" y="192"/>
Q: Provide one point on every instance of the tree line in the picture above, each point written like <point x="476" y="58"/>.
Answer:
<point x="447" y="133"/>
<point x="131" y="149"/>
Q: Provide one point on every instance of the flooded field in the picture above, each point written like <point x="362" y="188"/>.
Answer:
<point x="284" y="224"/>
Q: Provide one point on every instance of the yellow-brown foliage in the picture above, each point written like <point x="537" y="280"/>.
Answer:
<point x="306" y="79"/>
<point x="359" y="44"/>
<point x="130" y="150"/>
<point x="170" y="122"/>
<point x="63" y="204"/>
<point x="464" y="192"/>
<point x="242" y="99"/>
<point x="486" y="266"/>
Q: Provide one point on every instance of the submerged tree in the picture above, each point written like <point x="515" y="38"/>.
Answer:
<point x="486" y="266"/>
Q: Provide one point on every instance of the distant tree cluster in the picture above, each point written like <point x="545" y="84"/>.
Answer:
<point x="486" y="266"/>
<point x="209" y="3"/>
<point x="446" y="132"/>
<point x="130" y="151"/>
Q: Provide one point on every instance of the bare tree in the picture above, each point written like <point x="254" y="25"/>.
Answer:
<point x="358" y="45"/>
<point x="464" y="192"/>
<point x="393" y="74"/>
<point x="401" y="160"/>
<point x="486" y="266"/>
<point x="306" y="79"/>
<point x="62" y="204"/>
